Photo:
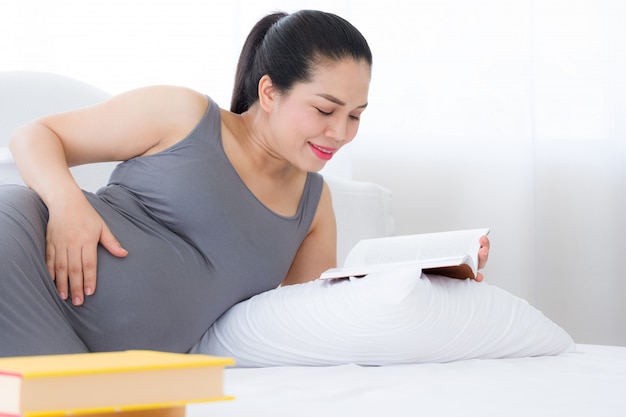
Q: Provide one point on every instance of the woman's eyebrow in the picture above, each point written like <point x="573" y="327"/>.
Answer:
<point x="337" y="101"/>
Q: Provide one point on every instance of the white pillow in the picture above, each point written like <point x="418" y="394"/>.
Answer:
<point x="363" y="210"/>
<point x="394" y="317"/>
<point x="8" y="170"/>
<point x="89" y="177"/>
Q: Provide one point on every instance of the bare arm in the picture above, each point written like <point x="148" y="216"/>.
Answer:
<point x="318" y="251"/>
<point x="136" y="123"/>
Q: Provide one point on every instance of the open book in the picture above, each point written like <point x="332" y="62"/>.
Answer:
<point x="453" y="254"/>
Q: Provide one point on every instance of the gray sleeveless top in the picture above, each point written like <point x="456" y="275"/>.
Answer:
<point x="199" y="241"/>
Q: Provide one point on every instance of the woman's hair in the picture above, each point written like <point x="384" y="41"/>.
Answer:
<point x="287" y="47"/>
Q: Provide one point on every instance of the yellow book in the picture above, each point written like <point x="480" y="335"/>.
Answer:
<point x="137" y="383"/>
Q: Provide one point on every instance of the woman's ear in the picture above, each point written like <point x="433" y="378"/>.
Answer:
<point x="267" y="93"/>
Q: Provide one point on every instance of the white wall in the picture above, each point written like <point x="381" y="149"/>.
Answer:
<point x="509" y="114"/>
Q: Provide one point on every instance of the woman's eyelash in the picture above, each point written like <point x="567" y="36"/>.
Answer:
<point x="325" y="113"/>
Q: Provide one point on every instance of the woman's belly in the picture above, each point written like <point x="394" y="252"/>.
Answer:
<point x="160" y="296"/>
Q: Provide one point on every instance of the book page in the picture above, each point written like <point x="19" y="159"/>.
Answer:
<point x="408" y="250"/>
<point x="411" y="248"/>
<point x="431" y="250"/>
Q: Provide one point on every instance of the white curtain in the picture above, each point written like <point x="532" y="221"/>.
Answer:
<point x="509" y="114"/>
<point x="512" y="115"/>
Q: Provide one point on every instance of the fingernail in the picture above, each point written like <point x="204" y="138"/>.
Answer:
<point x="77" y="301"/>
<point x="63" y="295"/>
<point x="88" y="291"/>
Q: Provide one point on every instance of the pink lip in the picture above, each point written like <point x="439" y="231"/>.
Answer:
<point x="323" y="152"/>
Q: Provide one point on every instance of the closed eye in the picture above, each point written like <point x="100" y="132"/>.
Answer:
<point x="325" y="113"/>
<point x="329" y="113"/>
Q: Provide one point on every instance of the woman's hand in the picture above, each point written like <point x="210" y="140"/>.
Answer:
<point x="74" y="231"/>
<point x="483" y="256"/>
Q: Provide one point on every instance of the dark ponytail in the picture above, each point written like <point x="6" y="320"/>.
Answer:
<point x="287" y="48"/>
<point x="239" y="100"/>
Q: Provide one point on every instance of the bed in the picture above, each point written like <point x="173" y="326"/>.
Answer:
<point x="590" y="382"/>
<point x="358" y="348"/>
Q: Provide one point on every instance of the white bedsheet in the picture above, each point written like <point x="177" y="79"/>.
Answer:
<point x="591" y="382"/>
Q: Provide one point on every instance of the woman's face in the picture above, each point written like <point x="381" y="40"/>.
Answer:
<point x="312" y="121"/>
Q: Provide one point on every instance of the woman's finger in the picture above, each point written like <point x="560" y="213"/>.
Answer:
<point x="75" y="275"/>
<point x="89" y="264"/>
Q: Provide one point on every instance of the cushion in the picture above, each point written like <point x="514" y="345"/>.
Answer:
<point x="8" y="170"/>
<point x="363" y="211"/>
<point x="28" y="95"/>
<point x="393" y="317"/>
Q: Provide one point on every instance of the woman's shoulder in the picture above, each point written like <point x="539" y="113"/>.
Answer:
<point x="178" y="108"/>
<point x="179" y="97"/>
<point x="171" y="100"/>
